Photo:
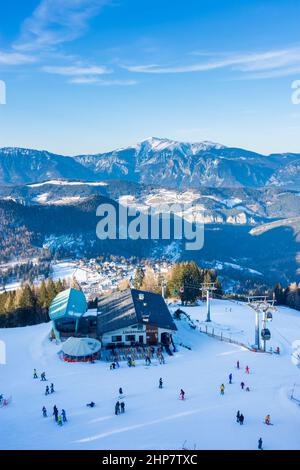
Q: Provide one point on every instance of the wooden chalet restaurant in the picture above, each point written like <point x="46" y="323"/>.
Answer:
<point x="134" y="317"/>
<point x="130" y="320"/>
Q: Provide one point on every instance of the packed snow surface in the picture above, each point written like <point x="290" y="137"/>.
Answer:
<point x="154" y="418"/>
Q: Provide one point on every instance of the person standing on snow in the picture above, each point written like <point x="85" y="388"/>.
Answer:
<point x="182" y="394"/>
<point x="35" y="376"/>
<point x="52" y="388"/>
<point x="43" y="377"/>
<point x="242" y="385"/>
<point x="122" y="407"/>
<point x="230" y="378"/>
<point x="222" y="389"/>
<point x="260" y="442"/>
<point x="44" y="412"/>
<point x="238" y="364"/>
<point x="247" y="370"/>
<point x="160" y="383"/>
<point x="117" y="408"/>
<point x="59" y="421"/>
<point x="47" y="390"/>
<point x="238" y="415"/>
<point x="55" y="412"/>
<point x="64" y="416"/>
<point x="242" y="419"/>
<point x="120" y="392"/>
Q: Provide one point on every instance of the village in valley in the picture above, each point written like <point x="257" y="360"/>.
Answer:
<point x="94" y="276"/>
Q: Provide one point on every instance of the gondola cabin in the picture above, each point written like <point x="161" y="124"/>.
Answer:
<point x="265" y="334"/>
<point x="269" y="316"/>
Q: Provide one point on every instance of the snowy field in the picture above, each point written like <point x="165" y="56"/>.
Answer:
<point x="68" y="270"/>
<point x="154" y="418"/>
<point x="62" y="270"/>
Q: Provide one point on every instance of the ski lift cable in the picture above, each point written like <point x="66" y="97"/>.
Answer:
<point x="214" y="294"/>
<point x="280" y="334"/>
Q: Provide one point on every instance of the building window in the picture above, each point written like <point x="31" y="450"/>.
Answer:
<point x="130" y="338"/>
<point x="116" y="339"/>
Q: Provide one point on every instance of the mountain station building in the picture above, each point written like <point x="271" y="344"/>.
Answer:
<point x="134" y="317"/>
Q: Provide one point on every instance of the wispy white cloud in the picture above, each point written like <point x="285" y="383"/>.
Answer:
<point x="54" y="22"/>
<point x="97" y="81"/>
<point x="277" y="73"/>
<point x="15" y="58"/>
<point x="275" y="62"/>
<point x="74" y="70"/>
<point x="87" y="75"/>
<point x="272" y="60"/>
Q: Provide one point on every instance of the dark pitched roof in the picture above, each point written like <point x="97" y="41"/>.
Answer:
<point x="132" y="307"/>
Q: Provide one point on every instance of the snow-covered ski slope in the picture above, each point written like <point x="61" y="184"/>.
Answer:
<point x="154" y="418"/>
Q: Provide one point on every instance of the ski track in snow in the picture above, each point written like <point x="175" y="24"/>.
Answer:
<point x="154" y="418"/>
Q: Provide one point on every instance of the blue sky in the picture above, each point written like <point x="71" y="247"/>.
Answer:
<point x="85" y="76"/>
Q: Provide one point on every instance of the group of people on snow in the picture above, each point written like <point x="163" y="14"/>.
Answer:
<point x="230" y="377"/>
<point x="240" y="418"/>
<point x="59" y="418"/>
<point x="49" y="390"/>
<point x="119" y="407"/>
<point x="132" y="363"/>
<point x="43" y="375"/>
<point x="114" y="365"/>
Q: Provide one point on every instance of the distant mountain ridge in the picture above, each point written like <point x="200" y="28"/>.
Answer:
<point x="157" y="161"/>
<point x="23" y="166"/>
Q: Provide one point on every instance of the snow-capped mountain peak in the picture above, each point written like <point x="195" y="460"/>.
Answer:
<point x="158" y="144"/>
